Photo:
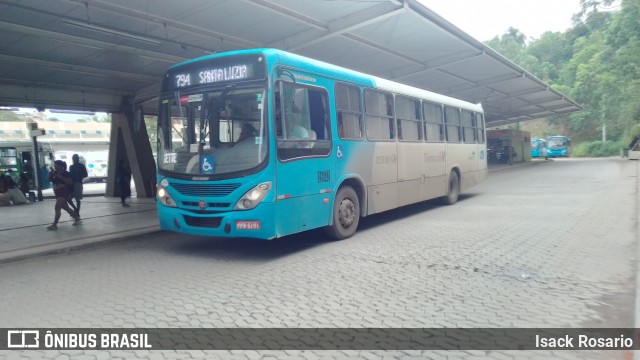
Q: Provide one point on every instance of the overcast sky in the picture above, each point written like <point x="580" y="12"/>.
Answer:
<point x="484" y="19"/>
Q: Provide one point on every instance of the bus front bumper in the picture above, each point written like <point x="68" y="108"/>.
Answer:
<point x="556" y="153"/>
<point x="255" y="223"/>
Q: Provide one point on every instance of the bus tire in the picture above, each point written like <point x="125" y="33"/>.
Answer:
<point x="453" y="189"/>
<point x="346" y="214"/>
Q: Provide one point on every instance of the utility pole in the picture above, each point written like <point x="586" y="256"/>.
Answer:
<point x="35" y="132"/>
<point x="604" y="118"/>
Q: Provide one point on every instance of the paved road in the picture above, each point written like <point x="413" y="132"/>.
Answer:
<point x="549" y="245"/>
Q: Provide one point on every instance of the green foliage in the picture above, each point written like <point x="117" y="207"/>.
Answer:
<point x="151" y="123"/>
<point x="633" y="134"/>
<point x="597" y="149"/>
<point x="596" y="63"/>
<point x="95" y="118"/>
<point x="10" y="116"/>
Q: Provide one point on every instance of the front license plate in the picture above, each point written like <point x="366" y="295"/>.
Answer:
<point x="247" y="225"/>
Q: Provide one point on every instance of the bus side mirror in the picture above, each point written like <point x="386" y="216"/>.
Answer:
<point x="287" y="73"/>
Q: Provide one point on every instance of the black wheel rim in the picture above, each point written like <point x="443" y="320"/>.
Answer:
<point x="346" y="212"/>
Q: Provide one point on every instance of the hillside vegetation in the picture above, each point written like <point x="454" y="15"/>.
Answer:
<point x="596" y="63"/>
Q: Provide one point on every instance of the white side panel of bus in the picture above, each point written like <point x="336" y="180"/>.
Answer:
<point x="472" y="157"/>
<point x="383" y="190"/>
<point x="435" y="168"/>
<point x="411" y="175"/>
<point x="469" y="165"/>
<point x="457" y="158"/>
<point x="481" y="174"/>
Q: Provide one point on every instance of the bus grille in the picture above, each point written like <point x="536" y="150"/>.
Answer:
<point x="205" y="189"/>
<point x="211" y="205"/>
<point x="209" y="222"/>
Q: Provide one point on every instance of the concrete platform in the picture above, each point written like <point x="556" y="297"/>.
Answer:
<point x="23" y="228"/>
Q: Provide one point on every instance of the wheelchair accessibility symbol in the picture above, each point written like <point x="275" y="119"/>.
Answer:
<point x="206" y="165"/>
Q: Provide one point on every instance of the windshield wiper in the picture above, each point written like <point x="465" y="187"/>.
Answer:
<point x="214" y="116"/>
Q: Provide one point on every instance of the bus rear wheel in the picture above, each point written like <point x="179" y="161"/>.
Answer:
<point x="453" y="189"/>
<point x="346" y="214"/>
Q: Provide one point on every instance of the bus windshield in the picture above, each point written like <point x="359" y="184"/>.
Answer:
<point x="556" y="142"/>
<point x="212" y="132"/>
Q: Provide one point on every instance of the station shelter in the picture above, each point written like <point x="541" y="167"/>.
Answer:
<point x="508" y="146"/>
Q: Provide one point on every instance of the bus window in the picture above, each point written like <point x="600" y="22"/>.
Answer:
<point x="302" y="121"/>
<point x="452" y="118"/>
<point x="480" y="128"/>
<point x="468" y="131"/>
<point x="349" y="112"/>
<point x="379" y="115"/>
<point x="199" y="133"/>
<point x="409" y="119"/>
<point x="433" y="127"/>
<point x="8" y="156"/>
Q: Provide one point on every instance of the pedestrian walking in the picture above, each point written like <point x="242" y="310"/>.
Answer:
<point x="123" y="179"/>
<point x="69" y="201"/>
<point x="61" y="180"/>
<point x="78" y="172"/>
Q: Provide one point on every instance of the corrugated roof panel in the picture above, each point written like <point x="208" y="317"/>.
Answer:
<point x="89" y="49"/>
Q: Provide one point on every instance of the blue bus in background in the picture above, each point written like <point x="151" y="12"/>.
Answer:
<point x="263" y="143"/>
<point x="538" y="148"/>
<point x="558" y="146"/>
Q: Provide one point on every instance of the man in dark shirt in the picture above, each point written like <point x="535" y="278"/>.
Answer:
<point x="78" y="172"/>
<point x="61" y="180"/>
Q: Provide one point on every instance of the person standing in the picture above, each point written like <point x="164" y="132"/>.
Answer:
<point x="78" y="172"/>
<point x="123" y="179"/>
<point x="61" y="180"/>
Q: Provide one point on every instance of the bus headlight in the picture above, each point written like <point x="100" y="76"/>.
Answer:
<point x="164" y="197"/>
<point x="253" y="197"/>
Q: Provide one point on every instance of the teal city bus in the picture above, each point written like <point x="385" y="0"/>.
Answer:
<point x="263" y="143"/>
<point x="538" y="148"/>
<point x="17" y="160"/>
<point x="558" y="146"/>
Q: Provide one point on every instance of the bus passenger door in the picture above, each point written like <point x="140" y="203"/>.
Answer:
<point x="304" y="169"/>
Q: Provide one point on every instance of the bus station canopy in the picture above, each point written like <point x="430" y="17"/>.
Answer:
<point x="89" y="54"/>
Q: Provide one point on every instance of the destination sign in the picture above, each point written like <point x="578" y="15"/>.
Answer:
<point x="216" y="70"/>
<point x="230" y="73"/>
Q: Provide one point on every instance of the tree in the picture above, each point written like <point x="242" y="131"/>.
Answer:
<point x="511" y="44"/>
<point x="7" y="115"/>
<point x="151" y="123"/>
<point x="100" y="119"/>
<point x="596" y="63"/>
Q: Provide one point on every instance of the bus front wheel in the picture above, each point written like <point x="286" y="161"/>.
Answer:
<point x="346" y="214"/>
<point x="453" y="189"/>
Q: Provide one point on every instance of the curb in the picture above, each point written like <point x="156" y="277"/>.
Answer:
<point x="76" y="244"/>
<point x="83" y="196"/>
<point x="515" y="166"/>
